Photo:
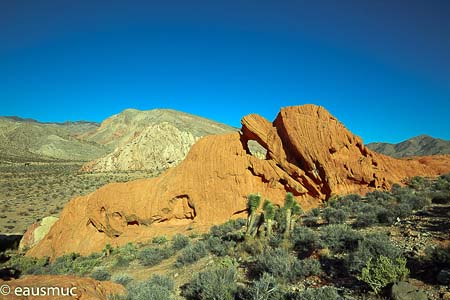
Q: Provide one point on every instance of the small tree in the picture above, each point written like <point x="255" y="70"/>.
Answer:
<point x="269" y="214"/>
<point x="253" y="203"/>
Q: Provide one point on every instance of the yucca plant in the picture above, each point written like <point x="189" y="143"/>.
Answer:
<point x="269" y="214"/>
<point x="253" y="202"/>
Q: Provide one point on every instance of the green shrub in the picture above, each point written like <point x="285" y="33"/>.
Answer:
<point x="75" y="264"/>
<point x="278" y="262"/>
<point x="418" y="183"/>
<point x="310" y="221"/>
<point x="219" y="247"/>
<point x="216" y="284"/>
<point x="371" y="246"/>
<point x="335" y="216"/>
<point x="191" y="254"/>
<point x="418" y="202"/>
<point x="101" y="275"/>
<point x="403" y="209"/>
<point x="122" y="279"/>
<point x="383" y="271"/>
<point x="315" y="212"/>
<point x="153" y="256"/>
<point x="339" y="238"/>
<point x="441" y="198"/>
<point x="28" y="265"/>
<point x="128" y="252"/>
<point x="231" y="230"/>
<point x="439" y="257"/>
<point x="385" y="216"/>
<point x="323" y="293"/>
<point x="366" y="219"/>
<point x="265" y="288"/>
<point x="305" y="241"/>
<point x="308" y="267"/>
<point x="120" y="262"/>
<point x="180" y="241"/>
<point x="159" y="240"/>
<point x="64" y="264"/>
<point x="156" y="288"/>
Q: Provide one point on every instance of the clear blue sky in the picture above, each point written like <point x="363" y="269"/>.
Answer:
<point x="382" y="67"/>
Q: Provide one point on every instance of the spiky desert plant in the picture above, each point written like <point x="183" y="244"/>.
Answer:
<point x="253" y="202"/>
<point x="291" y="208"/>
<point x="296" y="212"/>
<point x="269" y="214"/>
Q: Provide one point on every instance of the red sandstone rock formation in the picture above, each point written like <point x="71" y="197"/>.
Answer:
<point x="84" y="288"/>
<point x="309" y="153"/>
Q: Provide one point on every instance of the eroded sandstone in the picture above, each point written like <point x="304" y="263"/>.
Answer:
<point x="309" y="153"/>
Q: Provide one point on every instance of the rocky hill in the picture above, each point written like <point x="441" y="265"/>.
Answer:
<point x="417" y="146"/>
<point x="149" y="140"/>
<point x="30" y="140"/>
<point x="309" y="153"/>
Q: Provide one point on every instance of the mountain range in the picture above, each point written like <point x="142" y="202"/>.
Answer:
<point x="417" y="146"/>
<point x="142" y="140"/>
<point x="30" y="140"/>
<point x="131" y="140"/>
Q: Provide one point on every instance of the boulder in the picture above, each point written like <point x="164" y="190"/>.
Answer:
<point x="82" y="288"/>
<point x="406" y="291"/>
<point x="308" y="152"/>
<point x="36" y="232"/>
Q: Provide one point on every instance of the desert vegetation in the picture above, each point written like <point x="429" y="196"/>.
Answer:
<point x="332" y="252"/>
<point x="29" y="192"/>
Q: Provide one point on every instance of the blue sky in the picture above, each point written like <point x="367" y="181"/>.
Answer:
<point x="381" y="67"/>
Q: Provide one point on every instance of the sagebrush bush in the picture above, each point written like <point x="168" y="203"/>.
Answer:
<point x="381" y="272"/>
<point x="28" y="265"/>
<point x="308" y="267"/>
<point x="305" y="241"/>
<point x="322" y="293"/>
<point x="180" y="241"/>
<point x="335" y="216"/>
<point x="153" y="256"/>
<point x="439" y="256"/>
<point x="156" y="288"/>
<point x="418" y="202"/>
<point x="101" y="274"/>
<point x="339" y="238"/>
<point x="218" y="283"/>
<point x="385" y="216"/>
<point x="277" y="262"/>
<point x="231" y="230"/>
<point x="191" y="254"/>
<point x="159" y="240"/>
<point x="441" y="198"/>
<point x="127" y="252"/>
<point x="120" y="262"/>
<point x="403" y="209"/>
<point x="265" y="288"/>
<point x="371" y="246"/>
<point x="75" y="264"/>
<point x="219" y="247"/>
<point x="122" y="279"/>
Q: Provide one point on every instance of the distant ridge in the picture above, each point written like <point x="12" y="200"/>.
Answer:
<point x="30" y="140"/>
<point x="130" y="140"/>
<point x="20" y="119"/>
<point x="149" y="140"/>
<point x="417" y="146"/>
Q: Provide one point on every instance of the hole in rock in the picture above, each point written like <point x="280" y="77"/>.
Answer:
<point x="133" y="223"/>
<point x="256" y="149"/>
